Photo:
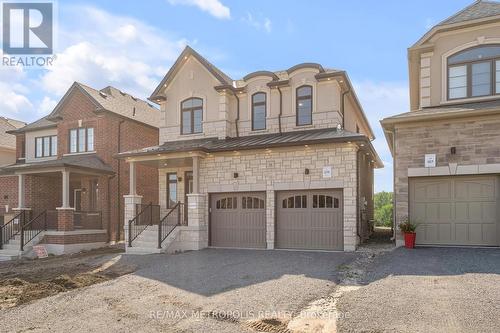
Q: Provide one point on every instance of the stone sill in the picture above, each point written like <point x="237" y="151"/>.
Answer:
<point x="74" y="232"/>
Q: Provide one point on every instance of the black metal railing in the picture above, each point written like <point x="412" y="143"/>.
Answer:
<point x="148" y="215"/>
<point x="169" y="222"/>
<point x="33" y="228"/>
<point x="88" y="220"/>
<point x="12" y="227"/>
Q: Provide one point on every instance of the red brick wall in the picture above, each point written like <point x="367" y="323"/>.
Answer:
<point x="46" y="192"/>
<point x="108" y="128"/>
<point x="8" y="193"/>
<point x="74" y="239"/>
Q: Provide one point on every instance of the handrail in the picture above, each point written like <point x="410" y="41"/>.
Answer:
<point x="135" y="227"/>
<point x="7" y="231"/>
<point x="165" y="229"/>
<point x="32" y="233"/>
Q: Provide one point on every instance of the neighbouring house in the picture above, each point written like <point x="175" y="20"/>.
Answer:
<point x="447" y="148"/>
<point x="69" y="189"/>
<point x="275" y="160"/>
<point x="8" y="194"/>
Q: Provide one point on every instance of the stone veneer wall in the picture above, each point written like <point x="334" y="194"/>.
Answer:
<point x="477" y="141"/>
<point x="283" y="169"/>
<point x="223" y="128"/>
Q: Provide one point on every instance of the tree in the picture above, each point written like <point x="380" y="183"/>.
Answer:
<point x="383" y="209"/>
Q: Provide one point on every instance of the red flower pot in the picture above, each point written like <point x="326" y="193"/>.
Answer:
<point x="410" y="240"/>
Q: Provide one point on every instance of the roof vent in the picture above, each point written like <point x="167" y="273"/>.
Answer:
<point x="103" y="94"/>
<point x="134" y="98"/>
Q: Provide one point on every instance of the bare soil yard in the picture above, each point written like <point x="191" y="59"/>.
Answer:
<point x="28" y="280"/>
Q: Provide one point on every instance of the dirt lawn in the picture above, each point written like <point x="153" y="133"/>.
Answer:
<point x="28" y="280"/>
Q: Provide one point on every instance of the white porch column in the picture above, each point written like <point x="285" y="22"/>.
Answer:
<point x="65" y="189"/>
<point x="132" y="181"/>
<point x="20" y="192"/>
<point x="196" y="174"/>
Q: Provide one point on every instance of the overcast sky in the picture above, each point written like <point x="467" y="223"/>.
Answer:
<point x="131" y="44"/>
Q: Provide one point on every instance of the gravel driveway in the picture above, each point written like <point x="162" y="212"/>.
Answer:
<point x="203" y="291"/>
<point x="427" y="290"/>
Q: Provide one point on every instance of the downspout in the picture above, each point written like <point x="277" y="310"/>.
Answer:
<point x="394" y="227"/>
<point x="358" y="190"/>
<point x="119" y="201"/>
<point x="237" y="113"/>
<point x="109" y="207"/>
<point x="281" y="109"/>
<point x="342" y="107"/>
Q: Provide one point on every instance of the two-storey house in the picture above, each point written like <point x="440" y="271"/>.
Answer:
<point x="274" y="160"/>
<point x="68" y="185"/>
<point x="447" y="148"/>
<point x="8" y="156"/>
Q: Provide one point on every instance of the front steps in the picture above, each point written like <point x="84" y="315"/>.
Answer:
<point x="147" y="241"/>
<point x="12" y="250"/>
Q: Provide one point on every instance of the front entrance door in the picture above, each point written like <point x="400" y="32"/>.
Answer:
<point x="77" y="197"/>
<point x="188" y="188"/>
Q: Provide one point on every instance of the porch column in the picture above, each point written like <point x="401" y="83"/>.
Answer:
<point x="131" y="200"/>
<point x="196" y="176"/>
<point x="65" y="213"/>
<point x="132" y="181"/>
<point x="65" y="189"/>
<point x="20" y="192"/>
<point x="21" y="198"/>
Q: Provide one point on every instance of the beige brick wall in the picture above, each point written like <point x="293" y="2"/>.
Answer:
<point x="279" y="169"/>
<point x="477" y="141"/>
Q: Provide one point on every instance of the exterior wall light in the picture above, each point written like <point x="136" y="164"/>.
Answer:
<point x="235" y="175"/>
<point x="306" y="171"/>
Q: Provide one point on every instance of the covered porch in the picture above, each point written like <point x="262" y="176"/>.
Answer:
<point x="66" y="204"/>
<point x="181" y="203"/>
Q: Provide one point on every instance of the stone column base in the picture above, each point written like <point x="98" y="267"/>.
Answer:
<point x="130" y="210"/>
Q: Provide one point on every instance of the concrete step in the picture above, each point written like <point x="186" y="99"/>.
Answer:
<point x="6" y="257"/>
<point x="142" y="250"/>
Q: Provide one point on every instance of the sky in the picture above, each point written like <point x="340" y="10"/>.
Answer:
<point x="132" y="44"/>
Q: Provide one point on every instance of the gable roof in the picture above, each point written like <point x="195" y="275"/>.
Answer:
<point x="7" y="125"/>
<point x="107" y="99"/>
<point x="223" y="78"/>
<point x="477" y="10"/>
<point x="480" y="10"/>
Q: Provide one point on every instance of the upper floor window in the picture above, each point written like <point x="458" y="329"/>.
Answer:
<point x="46" y="146"/>
<point x="81" y="140"/>
<point x="192" y="116"/>
<point x="474" y="72"/>
<point x="304" y="105"/>
<point x="258" y="111"/>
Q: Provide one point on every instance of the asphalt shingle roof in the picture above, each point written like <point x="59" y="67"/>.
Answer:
<point x="478" y="10"/>
<point x="85" y="162"/>
<point x="6" y="125"/>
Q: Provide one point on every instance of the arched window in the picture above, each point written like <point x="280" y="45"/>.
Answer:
<point x="304" y="105"/>
<point x="258" y="111"/>
<point x="252" y="203"/>
<point x="474" y="72"/>
<point x="227" y="203"/>
<point x="297" y="201"/>
<point x="192" y="116"/>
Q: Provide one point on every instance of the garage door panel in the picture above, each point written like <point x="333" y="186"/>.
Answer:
<point x="238" y="220"/>
<point x="456" y="210"/>
<point x="310" y="220"/>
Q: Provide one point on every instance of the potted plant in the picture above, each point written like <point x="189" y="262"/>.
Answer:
<point x="408" y="229"/>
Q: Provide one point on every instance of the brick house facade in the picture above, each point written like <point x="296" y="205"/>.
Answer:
<point x="96" y="181"/>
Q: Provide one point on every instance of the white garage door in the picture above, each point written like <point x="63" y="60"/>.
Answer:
<point x="456" y="210"/>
